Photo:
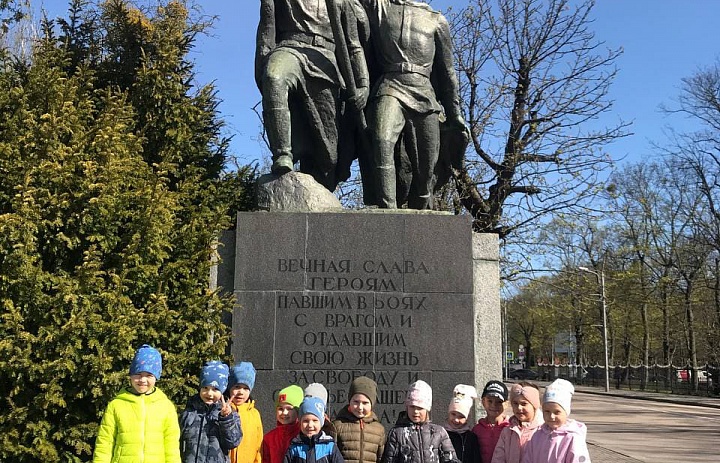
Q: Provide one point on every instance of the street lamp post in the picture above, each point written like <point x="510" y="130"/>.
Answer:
<point x="600" y="276"/>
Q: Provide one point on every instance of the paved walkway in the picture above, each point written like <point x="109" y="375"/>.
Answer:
<point x="700" y="401"/>
<point x="602" y="455"/>
<point x="599" y="454"/>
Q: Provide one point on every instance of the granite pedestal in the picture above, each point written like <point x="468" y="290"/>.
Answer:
<point x="327" y="297"/>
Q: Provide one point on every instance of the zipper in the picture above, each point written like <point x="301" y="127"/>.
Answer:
<point x="422" y="446"/>
<point x="362" y="439"/>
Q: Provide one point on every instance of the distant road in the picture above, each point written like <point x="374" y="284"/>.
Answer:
<point x="647" y="431"/>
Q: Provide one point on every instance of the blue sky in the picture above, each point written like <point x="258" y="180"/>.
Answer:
<point x="663" y="41"/>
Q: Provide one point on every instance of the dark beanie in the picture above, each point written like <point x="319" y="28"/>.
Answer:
<point x="365" y="386"/>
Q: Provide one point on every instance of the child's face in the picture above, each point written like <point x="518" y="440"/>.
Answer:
<point x="142" y="382"/>
<point x="210" y="394"/>
<point x="239" y="394"/>
<point x="310" y="424"/>
<point x="456" y="420"/>
<point x="494" y="407"/>
<point x="523" y="410"/>
<point x="360" y="405"/>
<point x="285" y="414"/>
<point x="416" y="414"/>
<point x="554" y="415"/>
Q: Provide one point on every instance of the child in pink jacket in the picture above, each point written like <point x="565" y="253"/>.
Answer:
<point x="488" y="428"/>
<point x="526" y="419"/>
<point x="559" y="440"/>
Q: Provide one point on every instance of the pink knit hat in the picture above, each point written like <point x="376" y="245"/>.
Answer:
<point x="419" y="394"/>
<point x="530" y="393"/>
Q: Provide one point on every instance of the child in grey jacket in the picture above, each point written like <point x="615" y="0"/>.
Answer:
<point x="209" y="426"/>
<point x="414" y="439"/>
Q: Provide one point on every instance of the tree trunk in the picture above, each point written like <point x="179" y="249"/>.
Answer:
<point x="691" y="333"/>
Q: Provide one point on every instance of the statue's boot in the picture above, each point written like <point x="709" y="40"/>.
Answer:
<point x="386" y="187"/>
<point x="282" y="163"/>
<point x="421" y="202"/>
<point x="277" y="125"/>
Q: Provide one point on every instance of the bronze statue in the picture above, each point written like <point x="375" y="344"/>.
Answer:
<point x="307" y="53"/>
<point x="414" y="88"/>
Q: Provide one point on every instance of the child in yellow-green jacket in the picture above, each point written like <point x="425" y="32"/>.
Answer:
<point x="140" y="425"/>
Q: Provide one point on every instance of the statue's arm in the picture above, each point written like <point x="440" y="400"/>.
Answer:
<point x="447" y="83"/>
<point x="354" y="19"/>
<point x="265" y="41"/>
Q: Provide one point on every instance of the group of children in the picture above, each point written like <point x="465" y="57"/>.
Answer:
<point x="220" y="424"/>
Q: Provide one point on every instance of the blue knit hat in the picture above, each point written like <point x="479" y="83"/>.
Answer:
<point x="215" y="374"/>
<point x="242" y="373"/>
<point x="147" y="359"/>
<point x="313" y="406"/>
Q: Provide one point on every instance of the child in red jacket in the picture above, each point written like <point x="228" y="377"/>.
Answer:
<point x="276" y="442"/>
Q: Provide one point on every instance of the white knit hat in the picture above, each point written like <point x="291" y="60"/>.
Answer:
<point x="560" y="392"/>
<point x="419" y="394"/>
<point x="317" y="390"/>
<point x="463" y="399"/>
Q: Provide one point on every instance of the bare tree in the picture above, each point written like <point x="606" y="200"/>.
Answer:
<point x="533" y="81"/>
<point x="698" y="153"/>
<point x="636" y="196"/>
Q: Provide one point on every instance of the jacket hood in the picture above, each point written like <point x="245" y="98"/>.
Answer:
<point x="570" y="427"/>
<point x="288" y="428"/>
<point x="127" y="395"/>
<point x="249" y="405"/>
<point x="197" y="404"/>
<point x="404" y="420"/>
<point x="464" y="428"/>
<point x="346" y="416"/>
<point x="485" y="424"/>
<point x="536" y="422"/>
<point x="518" y="428"/>
<point x="319" y="437"/>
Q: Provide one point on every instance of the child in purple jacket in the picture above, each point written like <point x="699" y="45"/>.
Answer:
<point x="560" y="439"/>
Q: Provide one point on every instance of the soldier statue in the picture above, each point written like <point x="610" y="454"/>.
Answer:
<point x="414" y="89"/>
<point x="308" y="59"/>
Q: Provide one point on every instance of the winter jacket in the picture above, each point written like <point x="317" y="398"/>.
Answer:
<point x="514" y="438"/>
<point x="408" y="442"/>
<point x="207" y="437"/>
<point x="276" y="442"/>
<point x="329" y="427"/>
<point x="319" y="448"/>
<point x="563" y="445"/>
<point x="138" y="429"/>
<point x="465" y="443"/>
<point x="488" y="436"/>
<point x="249" y="449"/>
<point x="359" y="441"/>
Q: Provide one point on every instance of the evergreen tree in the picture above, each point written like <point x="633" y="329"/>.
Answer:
<point x="112" y="194"/>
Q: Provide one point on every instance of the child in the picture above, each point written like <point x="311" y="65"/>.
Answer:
<point x="359" y="434"/>
<point x="319" y="391"/>
<point x="241" y="383"/>
<point x="312" y="445"/>
<point x="276" y="442"/>
<point x="140" y="424"/>
<point x="559" y="440"/>
<point x="488" y="428"/>
<point x="414" y="439"/>
<point x="463" y="439"/>
<point x="209" y="426"/>
<point x="526" y="419"/>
